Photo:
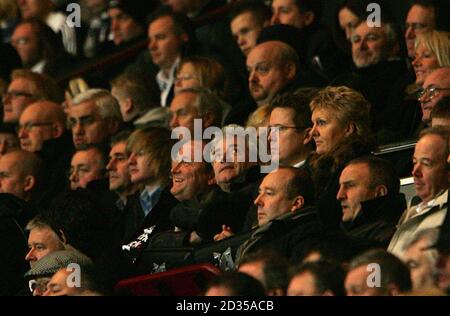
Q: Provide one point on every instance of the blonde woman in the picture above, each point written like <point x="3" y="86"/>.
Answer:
<point x="432" y="51"/>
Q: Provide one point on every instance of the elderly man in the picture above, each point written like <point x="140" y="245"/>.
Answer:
<point x="272" y="67"/>
<point x="40" y="122"/>
<point x="430" y="174"/>
<point x="247" y="19"/>
<point x="377" y="273"/>
<point x="376" y="58"/>
<point x="195" y="103"/>
<point x="88" y="164"/>
<point x="371" y="201"/>
<point x="436" y="87"/>
<point x="94" y="116"/>
<point x="422" y="259"/>
<point x="25" y="88"/>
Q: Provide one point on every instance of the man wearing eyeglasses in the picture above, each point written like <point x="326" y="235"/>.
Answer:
<point x="289" y="122"/>
<point x="436" y="87"/>
<point x="25" y="88"/>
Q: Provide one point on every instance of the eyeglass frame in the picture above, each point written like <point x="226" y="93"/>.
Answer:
<point x="28" y="126"/>
<point x="283" y="127"/>
<point x="431" y="90"/>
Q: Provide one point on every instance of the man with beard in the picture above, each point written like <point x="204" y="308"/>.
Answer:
<point x="375" y="53"/>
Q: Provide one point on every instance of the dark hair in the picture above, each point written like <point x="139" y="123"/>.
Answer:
<point x="327" y="276"/>
<point x="335" y="248"/>
<point x="299" y="102"/>
<point x="182" y="24"/>
<point x="84" y="220"/>
<point x="103" y="151"/>
<point x="257" y="8"/>
<point x="239" y="284"/>
<point x="440" y="8"/>
<point x="381" y="171"/>
<point x="393" y="270"/>
<point x="275" y="267"/>
<point x="302" y="184"/>
<point x="311" y="5"/>
<point x="442" y="108"/>
<point x="120" y="137"/>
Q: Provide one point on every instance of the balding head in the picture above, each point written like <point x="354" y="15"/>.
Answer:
<point x="19" y="173"/>
<point x="272" y="66"/>
<point x="40" y="121"/>
<point x="439" y="81"/>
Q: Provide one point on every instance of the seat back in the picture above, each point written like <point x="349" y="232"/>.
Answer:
<point x="186" y="281"/>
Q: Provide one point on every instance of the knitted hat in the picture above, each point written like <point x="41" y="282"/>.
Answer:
<point x="136" y="9"/>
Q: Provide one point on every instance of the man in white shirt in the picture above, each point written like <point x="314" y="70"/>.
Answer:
<point x="430" y="174"/>
<point x="168" y="37"/>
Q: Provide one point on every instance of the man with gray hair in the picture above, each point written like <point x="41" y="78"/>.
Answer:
<point x="93" y="117"/>
<point x="196" y="103"/>
<point x="376" y="57"/>
<point x="421" y="259"/>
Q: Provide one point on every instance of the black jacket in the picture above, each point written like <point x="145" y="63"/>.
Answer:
<point x="14" y="215"/>
<point x="376" y="223"/>
<point x="290" y="235"/>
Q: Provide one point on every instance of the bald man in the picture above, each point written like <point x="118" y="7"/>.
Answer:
<point x="272" y="66"/>
<point x="436" y="87"/>
<point x="19" y="174"/>
<point x="39" y="122"/>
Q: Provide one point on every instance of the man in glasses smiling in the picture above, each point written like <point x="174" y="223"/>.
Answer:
<point x="436" y="87"/>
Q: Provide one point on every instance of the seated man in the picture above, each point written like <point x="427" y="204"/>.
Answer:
<point x="42" y="131"/>
<point x="387" y="274"/>
<point x="138" y="98"/>
<point x="247" y="19"/>
<point x="148" y="212"/>
<point x="234" y="284"/>
<point x="25" y="88"/>
<point x="421" y="259"/>
<point x="8" y="139"/>
<point x="440" y="115"/>
<point x="269" y="268"/>
<point x="436" y="87"/>
<point x="287" y="221"/>
<point x="118" y="170"/>
<point x="195" y="103"/>
<point x="291" y="118"/>
<point x="431" y="180"/>
<point x="371" y="201"/>
<point x="20" y="177"/>
<point x="88" y="164"/>
<point x="40" y="274"/>
<point x="94" y="116"/>
<point x="319" y="278"/>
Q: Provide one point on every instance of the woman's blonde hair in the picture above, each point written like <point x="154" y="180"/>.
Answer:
<point x="349" y="106"/>
<point x="438" y="42"/>
<point x="209" y="72"/>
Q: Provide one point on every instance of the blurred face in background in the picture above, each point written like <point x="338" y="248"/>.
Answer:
<point x="419" y="20"/>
